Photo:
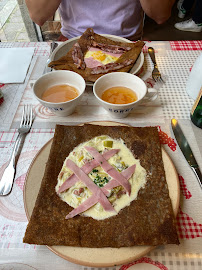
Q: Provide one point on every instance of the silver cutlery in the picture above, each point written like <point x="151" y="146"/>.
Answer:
<point x="186" y="150"/>
<point x="156" y="75"/>
<point x="53" y="47"/>
<point x="6" y="182"/>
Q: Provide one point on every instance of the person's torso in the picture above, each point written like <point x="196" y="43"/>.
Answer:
<point x="115" y="17"/>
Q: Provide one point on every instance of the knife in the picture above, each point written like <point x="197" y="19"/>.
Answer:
<point x="53" y="47"/>
<point x="186" y="150"/>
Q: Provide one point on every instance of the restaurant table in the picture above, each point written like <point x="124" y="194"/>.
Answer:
<point x="175" y="60"/>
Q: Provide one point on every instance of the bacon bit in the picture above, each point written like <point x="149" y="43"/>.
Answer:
<point x="120" y="193"/>
<point x="78" y="191"/>
<point x="61" y="175"/>
<point x="85" y="160"/>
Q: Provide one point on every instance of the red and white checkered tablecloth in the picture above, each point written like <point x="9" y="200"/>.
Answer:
<point x="186" y="45"/>
<point x="173" y="102"/>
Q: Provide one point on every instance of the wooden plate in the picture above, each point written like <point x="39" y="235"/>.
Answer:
<point x="94" y="257"/>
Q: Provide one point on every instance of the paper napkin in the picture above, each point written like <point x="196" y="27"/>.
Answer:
<point x="14" y="64"/>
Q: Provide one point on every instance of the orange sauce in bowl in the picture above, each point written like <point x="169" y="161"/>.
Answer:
<point x="60" y="93"/>
<point x="119" y="95"/>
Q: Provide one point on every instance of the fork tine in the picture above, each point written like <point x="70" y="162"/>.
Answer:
<point x="23" y="116"/>
<point x="30" y="115"/>
<point x="158" y="78"/>
<point x="154" y="78"/>
<point x="161" y="79"/>
<point x="26" y="114"/>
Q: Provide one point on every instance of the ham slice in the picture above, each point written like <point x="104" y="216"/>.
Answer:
<point x="127" y="173"/>
<point x="109" y="169"/>
<point x="82" y="207"/>
<point x="90" y="185"/>
<point x="77" y="56"/>
<point x="95" y="61"/>
<point x="88" y="167"/>
<point x="110" y="48"/>
<point x="91" y="62"/>
<point x="92" y="49"/>
<point x="111" y="67"/>
<point x="99" y="194"/>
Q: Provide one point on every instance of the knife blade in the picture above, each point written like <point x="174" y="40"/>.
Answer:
<point x="53" y="46"/>
<point x="186" y="150"/>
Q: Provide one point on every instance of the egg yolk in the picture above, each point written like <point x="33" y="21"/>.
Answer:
<point x="102" y="57"/>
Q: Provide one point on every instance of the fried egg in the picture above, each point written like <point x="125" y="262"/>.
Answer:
<point x="95" y="57"/>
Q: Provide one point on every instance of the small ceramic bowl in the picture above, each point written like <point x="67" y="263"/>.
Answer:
<point x="126" y="80"/>
<point x="56" y="78"/>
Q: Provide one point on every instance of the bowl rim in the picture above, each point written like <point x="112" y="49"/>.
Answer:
<point x="59" y="103"/>
<point x="113" y="104"/>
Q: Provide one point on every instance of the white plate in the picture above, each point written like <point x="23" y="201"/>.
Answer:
<point x="63" y="48"/>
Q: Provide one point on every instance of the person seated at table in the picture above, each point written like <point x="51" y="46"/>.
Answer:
<point x="122" y="18"/>
<point x="193" y="24"/>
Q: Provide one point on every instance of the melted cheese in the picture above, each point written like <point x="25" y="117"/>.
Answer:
<point x="101" y="56"/>
<point x="123" y="159"/>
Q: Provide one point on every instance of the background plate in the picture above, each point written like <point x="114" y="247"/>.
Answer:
<point x="63" y="48"/>
<point x="94" y="257"/>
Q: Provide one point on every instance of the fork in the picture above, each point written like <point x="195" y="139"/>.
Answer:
<point x="156" y="75"/>
<point x="7" y="179"/>
<point x="53" y="47"/>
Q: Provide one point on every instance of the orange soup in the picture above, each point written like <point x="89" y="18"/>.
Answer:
<point x="119" y="95"/>
<point x="60" y="93"/>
